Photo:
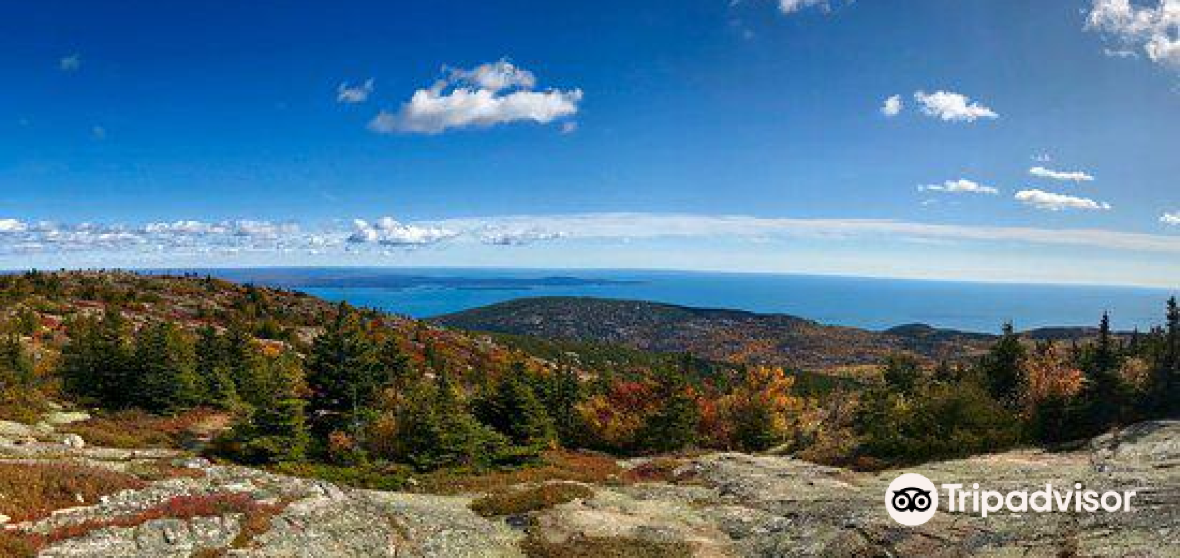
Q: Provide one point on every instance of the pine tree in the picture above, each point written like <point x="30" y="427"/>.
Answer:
<point x="1001" y="367"/>
<point x="1104" y="395"/>
<point x="902" y="373"/>
<point x="215" y="382"/>
<point x="96" y="360"/>
<point x="345" y="373"/>
<point x="562" y="404"/>
<point x="278" y="428"/>
<point x="516" y="412"/>
<point x="1163" y="390"/>
<point x="674" y="425"/>
<point x="441" y="432"/>
<point x="165" y="366"/>
<point x="16" y="368"/>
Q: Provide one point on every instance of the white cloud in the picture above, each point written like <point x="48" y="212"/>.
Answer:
<point x="892" y="106"/>
<point x="1042" y="158"/>
<point x="1172" y="218"/>
<point x="1057" y="202"/>
<point x="70" y="63"/>
<point x="389" y="232"/>
<point x="960" y="186"/>
<point x="488" y="95"/>
<point x="518" y="237"/>
<point x="1154" y="29"/>
<point x="12" y="225"/>
<point x="792" y="6"/>
<point x="1064" y="176"/>
<point x="952" y="107"/>
<point x="569" y="127"/>
<point x="352" y="94"/>
<point x="495" y="76"/>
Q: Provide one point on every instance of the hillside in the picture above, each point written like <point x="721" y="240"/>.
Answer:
<point x="724" y="335"/>
<point x="152" y="503"/>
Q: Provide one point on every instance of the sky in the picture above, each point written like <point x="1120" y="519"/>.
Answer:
<point x="991" y="140"/>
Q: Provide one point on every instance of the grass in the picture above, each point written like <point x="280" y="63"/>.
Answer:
<point x="134" y="429"/>
<point x="371" y="477"/>
<point x="512" y="502"/>
<point x="556" y="465"/>
<point x="32" y="491"/>
<point x="658" y="469"/>
<point x="602" y="547"/>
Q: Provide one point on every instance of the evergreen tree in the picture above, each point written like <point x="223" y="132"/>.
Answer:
<point x="1104" y="396"/>
<point x="96" y="360"/>
<point x="902" y="373"/>
<point x="441" y="432"/>
<point x="276" y="429"/>
<point x="562" y="402"/>
<point x="345" y="373"/>
<point x="516" y="412"/>
<point x="1001" y="367"/>
<point x="16" y="368"/>
<point x="215" y="382"/>
<point x="674" y="425"/>
<point x="165" y="369"/>
<point x="1163" y="390"/>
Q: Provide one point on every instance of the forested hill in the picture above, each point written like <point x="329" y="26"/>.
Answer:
<point x="722" y="335"/>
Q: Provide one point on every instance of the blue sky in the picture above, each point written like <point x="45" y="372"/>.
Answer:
<point x="702" y="134"/>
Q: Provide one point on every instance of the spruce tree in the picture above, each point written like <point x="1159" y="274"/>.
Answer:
<point x="277" y="428"/>
<point x="165" y="367"/>
<point x="345" y="372"/>
<point x="516" y="412"/>
<point x="16" y="368"/>
<point x="673" y="426"/>
<point x="1104" y="396"/>
<point x="215" y="381"/>
<point x="1002" y="367"/>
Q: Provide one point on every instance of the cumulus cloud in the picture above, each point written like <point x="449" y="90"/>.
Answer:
<point x="952" y="107"/>
<point x="1057" y="202"/>
<point x="960" y="186"/>
<point x="353" y="94"/>
<point x="892" y="106"/>
<point x="494" y="76"/>
<point x="70" y="63"/>
<point x="1153" y="27"/>
<point x="1172" y="218"/>
<point x="1064" y="176"/>
<point x="12" y="225"/>
<point x="490" y="94"/>
<point x="387" y="231"/>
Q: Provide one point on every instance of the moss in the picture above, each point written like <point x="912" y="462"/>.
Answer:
<point x="601" y="547"/>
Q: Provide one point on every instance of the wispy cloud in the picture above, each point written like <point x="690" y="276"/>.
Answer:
<point x="1172" y="218"/>
<point x="952" y="107"/>
<point x="1155" y="29"/>
<point x="174" y="238"/>
<point x="71" y="63"/>
<point x="1064" y="176"/>
<point x="490" y="94"/>
<point x="353" y="94"/>
<point x="892" y="106"/>
<point x="792" y="6"/>
<point x="1058" y="202"/>
<point x="960" y="186"/>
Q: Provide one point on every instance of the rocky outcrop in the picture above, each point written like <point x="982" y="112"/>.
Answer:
<point x="720" y="505"/>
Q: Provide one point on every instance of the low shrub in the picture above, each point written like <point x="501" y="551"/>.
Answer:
<point x="526" y="500"/>
<point x="34" y="490"/>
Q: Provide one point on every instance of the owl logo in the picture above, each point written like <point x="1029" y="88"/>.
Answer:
<point x="912" y="499"/>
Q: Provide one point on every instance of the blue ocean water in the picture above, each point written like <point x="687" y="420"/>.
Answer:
<point x="852" y="301"/>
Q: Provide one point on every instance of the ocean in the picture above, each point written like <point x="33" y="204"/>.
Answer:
<point x="852" y="301"/>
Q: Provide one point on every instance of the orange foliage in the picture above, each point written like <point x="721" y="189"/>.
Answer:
<point x="1047" y="375"/>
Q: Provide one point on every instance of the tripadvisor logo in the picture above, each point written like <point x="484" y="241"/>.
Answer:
<point x="912" y="500"/>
